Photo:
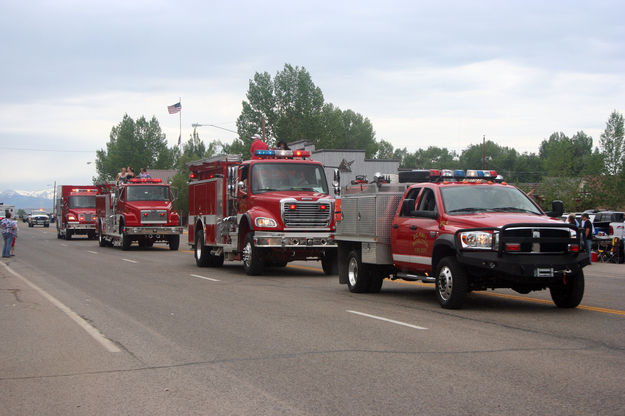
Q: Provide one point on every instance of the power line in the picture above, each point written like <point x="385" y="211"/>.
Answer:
<point x="23" y="149"/>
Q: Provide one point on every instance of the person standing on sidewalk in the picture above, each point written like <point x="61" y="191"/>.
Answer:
<point x="14" y="228"/>
<point x="9" y="229"/>
<point x="586" y="227"/>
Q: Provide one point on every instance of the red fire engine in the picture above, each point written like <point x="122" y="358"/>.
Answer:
<point x="264" y="212"/>
<point x="140" y="210"/>
<point x="75" y="210"/>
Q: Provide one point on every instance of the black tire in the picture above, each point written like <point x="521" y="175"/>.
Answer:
<point x="377" y="279"/>
<point x="47" y="225"/>
<point x="30" y="225"/>
<point x="91" y="235"/>
<point x="215" y="261"/>
<point x="452" y="284"/>
<point x="201" y="252"/>
<point x="68" y="234"/>
<point x="174" y="242"/>
<point x="101" y="240"/>
<point x="125" y="242"/>
<point x="329" y="263"/>
<point x="569" y="295"/>
<point x="252" y="256"/>
<point x="58" y="234"/>
<point x="358" y="277"/>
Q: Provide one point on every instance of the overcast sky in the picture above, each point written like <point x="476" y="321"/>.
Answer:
<point x="426" y="73"/>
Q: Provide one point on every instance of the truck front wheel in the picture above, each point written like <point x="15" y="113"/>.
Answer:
<point x="570" y="292"/>
<point x="253" y="261"/>
<point x="359" y="279"/>
<point x="101" y="240"/>
<point x="329" y="263"/>
<point x="126" y="241"/>
<point x="68" y="234"/>
<point x="451" y="283"/>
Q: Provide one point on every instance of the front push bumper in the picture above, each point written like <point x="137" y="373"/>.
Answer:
<point x="293" y="240"/>
<point x="153" y="230"/>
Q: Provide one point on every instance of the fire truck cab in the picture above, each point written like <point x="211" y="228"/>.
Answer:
<point x="267" y="211"/>
<point x="140" y="210"/>
<point x="75" y="208"/>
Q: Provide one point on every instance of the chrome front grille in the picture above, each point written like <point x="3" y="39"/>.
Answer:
<point x="153" y="216"/>
<point x="306" y="214"/>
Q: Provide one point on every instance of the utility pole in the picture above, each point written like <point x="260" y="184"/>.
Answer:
<point x="484" y="152"/>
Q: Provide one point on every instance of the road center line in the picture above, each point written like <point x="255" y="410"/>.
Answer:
<point x="205" y="278"/>
<point x="386" y="319"/>
<point x="95" y="334"/>
<point x="64" y="245"/>
<point x="130" y="261"/>
<point x="92" y="252"/>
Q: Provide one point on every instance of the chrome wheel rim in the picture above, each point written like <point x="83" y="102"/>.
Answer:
<point x="445" y="283"/>
<point x="247" y="254"/>
<point x="352" y="271"/>
<point x="198" y="249"/>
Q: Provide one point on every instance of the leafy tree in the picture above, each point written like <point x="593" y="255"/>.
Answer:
<point x="138" y="144"/>
<point x="293" y="109"/>
<point x="501" y="159"/>
<point x="612" y="144"/>
<point x="385" y="150"/>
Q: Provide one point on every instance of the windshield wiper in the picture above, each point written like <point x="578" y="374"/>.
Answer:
<point x="468" y="209"/>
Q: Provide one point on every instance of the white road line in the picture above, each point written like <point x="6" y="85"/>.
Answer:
<point x="64" y="245"/>
<point x="92" y="252"/>
<point x="205" y="278"/>
<point x="386" y="320"/>
<point x="95" y="334"/>
<point x="130" y="261"/>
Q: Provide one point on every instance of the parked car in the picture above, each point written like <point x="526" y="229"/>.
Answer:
<point x="609" y="223"/>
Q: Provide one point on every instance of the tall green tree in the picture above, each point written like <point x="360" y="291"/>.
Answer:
<point x="293" y="108"/>
<point x="612" y="144"/>
<point x="139" y="144"/>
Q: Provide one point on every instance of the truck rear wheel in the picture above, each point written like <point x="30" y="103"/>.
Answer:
<point x="174" y="242"/>
<point x="68" y="234"/>
<point x="252" y="256"/>
<point x="358" y="277"/>
<point x="451" y="283"/>
<point x="201" y="251"/>
<point x="569" y="294"/>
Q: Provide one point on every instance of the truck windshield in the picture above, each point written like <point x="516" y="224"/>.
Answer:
<point x="86" y="201"/>
<point x="147" y="193"/>
<point x="267" y="177"/>
<point x="464" y="199"/>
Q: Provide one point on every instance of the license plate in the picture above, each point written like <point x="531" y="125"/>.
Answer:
<point x="543" y="272"/>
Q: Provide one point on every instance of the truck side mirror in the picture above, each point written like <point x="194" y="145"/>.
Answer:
<point x="336" y="183"/>
<point x="557" y="208"/>
<point x="174" y="193"/>
<point x="242" y="186"/>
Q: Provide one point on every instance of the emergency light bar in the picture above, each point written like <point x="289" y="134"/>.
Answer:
<point x="145" y="180"/>
<point x="447" y="175"/>
<point x="282" y="153"/>
<point x="83" y="190"/>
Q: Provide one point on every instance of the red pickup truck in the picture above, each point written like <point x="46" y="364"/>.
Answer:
<point x="463" y="231"/>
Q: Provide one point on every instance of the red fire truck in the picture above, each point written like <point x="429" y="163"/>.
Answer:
<point x="267" y="211"/>
<point x="140" y="210"/>
<point x="75" y="210"/>
<point x="462" y="231"/>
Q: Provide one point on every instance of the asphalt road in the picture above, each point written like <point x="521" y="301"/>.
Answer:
<point x="99" y="331"/>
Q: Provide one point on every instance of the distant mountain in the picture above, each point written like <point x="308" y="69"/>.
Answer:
<point x="28" y="200"/>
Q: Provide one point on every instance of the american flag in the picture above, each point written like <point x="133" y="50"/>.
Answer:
<point x="173" y="109"/>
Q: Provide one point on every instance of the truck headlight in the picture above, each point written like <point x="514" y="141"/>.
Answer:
<point x="477" y="240"/>
<point x="265" y="222"/>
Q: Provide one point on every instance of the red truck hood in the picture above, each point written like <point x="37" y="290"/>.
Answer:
<point x="496" y="219"/>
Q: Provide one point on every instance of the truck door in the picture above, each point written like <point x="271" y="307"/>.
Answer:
<point x="403" y="233"/>
<point x="418" y="234"/>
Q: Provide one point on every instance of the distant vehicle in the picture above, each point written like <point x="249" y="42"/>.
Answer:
<point x="76" y="206"/>
<point x="609" y="223"/>
<point x="38" y="218"/>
